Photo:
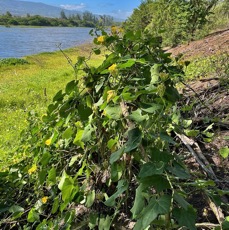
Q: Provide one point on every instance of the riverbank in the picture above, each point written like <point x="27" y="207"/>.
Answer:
<point x="31" y="87"/>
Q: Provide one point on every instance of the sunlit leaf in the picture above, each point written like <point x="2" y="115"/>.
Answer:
<point x="87" y="134"/>
<point x="67" y="133"/>
<point x="113" y="112"/>
<point x="224" y="152"/>
<point x="33" y="215"/>
<point x="137" y="116"/>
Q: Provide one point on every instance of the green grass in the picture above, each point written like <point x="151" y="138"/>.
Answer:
<point x="29" y="87"/>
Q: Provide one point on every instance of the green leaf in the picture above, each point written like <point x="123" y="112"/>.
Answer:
<point x="152" y="210"/>
<point x="59" y="96"/>
<point x="117" y="155"/>
<point x="84" y="112"/>
<point x="93" y="220"/>
<point x="52" y="176"/>
<point x="137" y="116"/>
<point x="33" y="215"/>
<point x="45" y="158"/>
<point x="105" y="223"/>
<point x="181" y="201"/>
<point x="187" y="123"/>
<point x="127" y="64"/>
<point x="185" y="217"/>
<point x="16" y="209"/>
<point x="99" y="85"/>
<point x="191" y="133"/>
<point x="73" y="160"/>
<point x="90" y="198"/>
<point x="67" y="134"/>
<point x="172" y="94"/>
<point x="113" y="112"/>
<point x="117" y="171"/>
<point x="134" y="139"/>
<point x="62" y="180"/>
<point x="121" y="187"/>
<point x="224" y="152"/>
<point x="42" y="175"/>
<point x="157" y="155"/>
<point x="70" y="87"/>
<point x="151" y="108"/>
<point x="112" y="142"/>
<point x="150" y="169"/>
<point x="97" y="51"/>
<point x="87" y="133"/>
<point x="159" y="182"/>
<point x="155" y="73"/>
<point x="67" y="189"/>
<point x="55" y="205"/>
<point x="77" y="140"/>
<point x="179" y="171"/>
<point x="225" y="224"/>
<point x="139" y="201"/>
<point x="165" y="137"/>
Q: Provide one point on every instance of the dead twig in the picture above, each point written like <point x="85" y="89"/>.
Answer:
<point x="216" y="210"/>
<point x="188" y="143"/>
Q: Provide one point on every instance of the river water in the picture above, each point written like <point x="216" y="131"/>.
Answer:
<point x="21" y="41"/>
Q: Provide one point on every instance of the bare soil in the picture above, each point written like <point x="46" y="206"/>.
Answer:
<point x="213" y="43"/>
<point x="209" y="98"/>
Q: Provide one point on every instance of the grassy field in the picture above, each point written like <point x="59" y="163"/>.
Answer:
<point x="29" y="87"/>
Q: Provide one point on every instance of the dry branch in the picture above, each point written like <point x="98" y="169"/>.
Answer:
<point x="198" y="156"/>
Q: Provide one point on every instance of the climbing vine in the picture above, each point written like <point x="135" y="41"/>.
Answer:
<point x="105" y="152"/>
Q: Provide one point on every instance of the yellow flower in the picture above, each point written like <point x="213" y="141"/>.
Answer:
<point x="101" y="39"/>
<point x="44" y="199"/>
<point x="110" y="94"/>
<point x="48" y="142"/>
<point x="113" y="68"/>
<point x="32" y="169"/>
<point x="121" y="30"/>
<point x="114" y="29"/>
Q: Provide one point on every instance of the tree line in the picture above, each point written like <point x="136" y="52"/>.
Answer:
<point x="177" y="21"/>
<point x="86" y="19"/>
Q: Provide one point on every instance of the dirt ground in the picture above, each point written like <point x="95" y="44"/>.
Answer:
<point x="213" y="43"/>
<point x="210" y="100"/>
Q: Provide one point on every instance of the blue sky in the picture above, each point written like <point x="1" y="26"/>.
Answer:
<point x="115" y="8"/>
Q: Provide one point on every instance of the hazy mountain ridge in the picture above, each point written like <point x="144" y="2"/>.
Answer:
<point x="21" y="8"/>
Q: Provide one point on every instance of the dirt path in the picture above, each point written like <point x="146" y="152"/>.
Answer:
<point x="213" y="43"/>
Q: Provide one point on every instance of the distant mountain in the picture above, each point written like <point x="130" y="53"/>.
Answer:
<point x="21" y="8"/>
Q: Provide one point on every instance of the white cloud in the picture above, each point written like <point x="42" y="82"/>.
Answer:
<point x="74" y="7"/>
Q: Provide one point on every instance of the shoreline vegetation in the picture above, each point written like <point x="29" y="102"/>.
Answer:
<point x="86" y="19"/>
<point x="29" y="84"/>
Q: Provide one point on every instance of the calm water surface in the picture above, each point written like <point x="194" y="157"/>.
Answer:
<point x="21" y="41"/>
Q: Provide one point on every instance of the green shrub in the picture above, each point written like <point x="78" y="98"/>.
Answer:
<point x="12" y="61"/>
<point x="105" y="149"/>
